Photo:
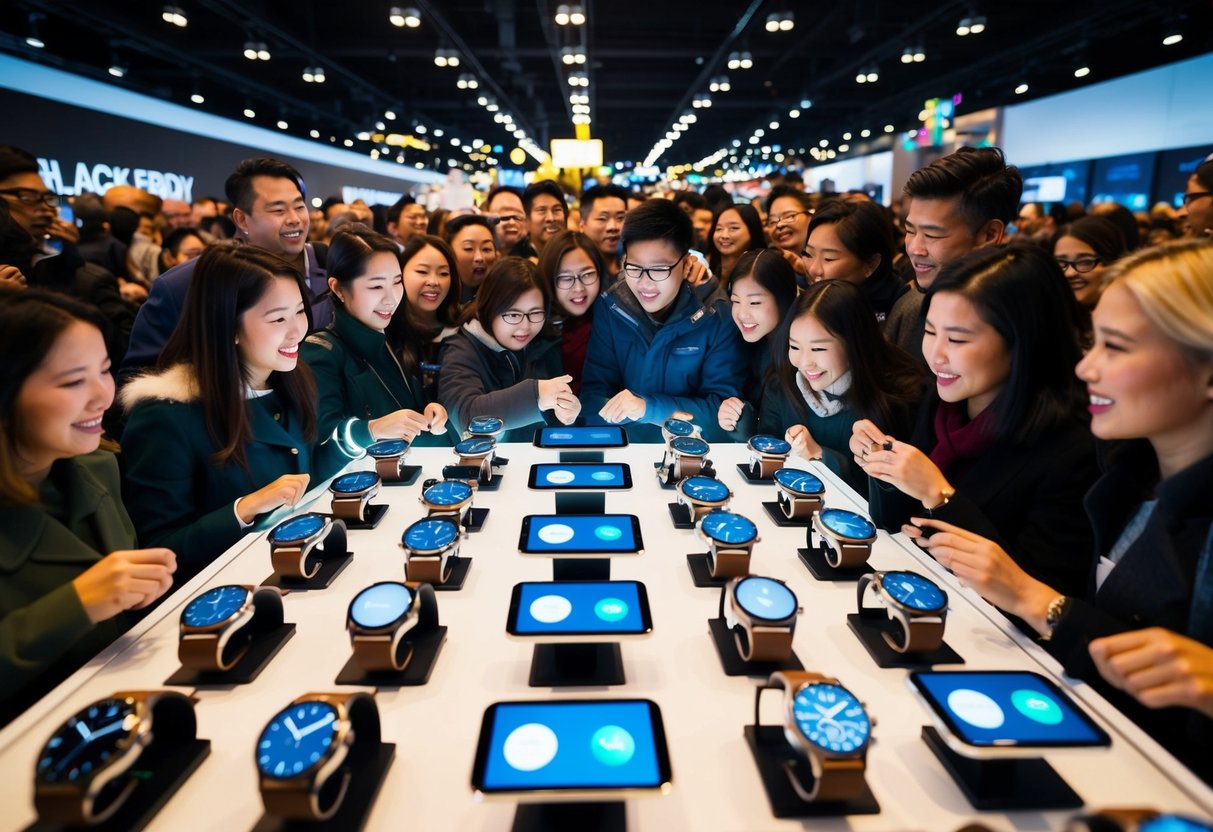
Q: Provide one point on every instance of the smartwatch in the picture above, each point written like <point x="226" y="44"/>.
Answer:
<point x="487" y="426"/>
<point x="88" y="767"/>
<point x="767" y="455"/>
<point x="800" y="493"/>
<point x="305" y="751"/>
<point x="830" y="728"/>
<point x="846" y="537"/>
<point x="294" y="550"/>
<point x="217" y="626"/>
<point x="429" y="545"/>
<point x="685" y="456"/>
<point x="761" y="612"/>
<point x="673" y="428"/>
<point x="389" y="457"/>
<point x="916" y="603"/>
<point x="381" y="616"/>
<point x="730" y="538"/>
<point x="477" y="452"/>
<point x="451" y="498"/>
<point x="702" y="494"/>
<point x="351" y="493"/>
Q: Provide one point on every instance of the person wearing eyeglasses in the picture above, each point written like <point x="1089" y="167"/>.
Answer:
<point x="658" y="346"/>
<point x="603" y="210"/>
<point x="404" y="219"/>
<point x="787" y="224"/>
<point x="547" y="214"/>
<point x="1198" y="201"/>
<point x="505" y="203"/>
<point x="1084" y="249"/>
<point x="573" y="267"/>
<point x="505" y="361"/>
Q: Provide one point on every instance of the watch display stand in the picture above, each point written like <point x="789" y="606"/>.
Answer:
<point x="777" y="761"/>
<point x="163" y="771"/>
<point x="747" y="473"/>
<point x="1003" y="785"/>
<point x="576" y="665"/>
<point x="472" y="472"/>
<point x="458" y="575"/>
<point x="606" y="816"/>
<point x="581" y="502"/>
<point x="780" y="519"/>
<point x="580" y="456"/>
<point x="475" y="519"/>
<point x="265" y="645"/>
<point x="731" y="661"/>
<point x="701" y="573"/>
<point x="706" y="471"/>
<point x="681" y="516"/>
<point x="371" y="516"/>
<point x="814" y="560"/>
<point x="581" y="569"/>
<point x="426" y="647"/>
<point x="330" y="568"/>
<point x="367" y="770"/>
<point x="870" y="628"/>
<point x="408" y="476"/>
<point x="499" y="461"/>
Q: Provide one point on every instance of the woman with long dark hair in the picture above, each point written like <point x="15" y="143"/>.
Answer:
<point x="852" y="240"/>
<point x="735" y="230"/>
<point x="430" y="309"/>
<point x="574" y="270"/>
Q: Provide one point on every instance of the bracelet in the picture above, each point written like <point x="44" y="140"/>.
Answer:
<point x="946" y="493"/>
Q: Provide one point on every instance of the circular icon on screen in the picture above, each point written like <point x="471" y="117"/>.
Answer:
<point x="975" y="708"/>
<point x="555" y="533"/>
<point x="612" y="746"/>
<point x="602" y="476"/>
<point x="561" y="476"/>
<point x="551" y="609"/>
<point x="530" y="747"/>
<point x="608" y="533"/>
<point x="611" y="609"/>
<point x="1037" y="707"/>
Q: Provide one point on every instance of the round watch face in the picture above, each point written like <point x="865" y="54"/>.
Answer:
<point x="298" y="529"/>
<point x="765" y="598"/>
<point x="704" y="489"/>
<point x="847" y="524"/>
<point x="86" y="742"/>
<point x="430" y="535"/>
<point x="476" y="446"/>
<point x="770" y="445"/>
<point x="215" y="606"/>
<point x="297" y="739"/>
<point x="799" y="482"/>
<point x="387" y="448"/>
<point x="486" y="424"/>
<point x="678" y="427"/>
<point x="914" y="591"/>
<point x="830" y="717"/>
<point x="380" y="604"/>
<point x="728" y="528"/>
<point x="354" y="483"/>
<point x="689" y="445"/>
<point x="447" y="493"/>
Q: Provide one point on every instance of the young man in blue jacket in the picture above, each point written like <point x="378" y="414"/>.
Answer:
<point x="658" y="346"/>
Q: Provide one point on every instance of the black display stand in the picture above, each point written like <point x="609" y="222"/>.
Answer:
<point x="815" y="561"/>
<point x="1003" y="785"/>
<point x="264" y="646"/>
<point x="475" y="519"/>
<point x="426" y="647"/>
<point x="366" y="776"/>
<point x="681" y="516"/>
<point x="493" y="484"/>
<point x="777" y="761"/>
<point x="747" y="473"/>
<point x="581" y="569"/>
<point x="330" y="568"/>
<point x="372" y="514"/>
<point x="584" y="817"/>
<point x="581" y="456"/>
<point x="408" y="476"/>
<point x="780" y="519"/>
<point x="458" y="574"/>
<point x="580" y="502"/>
<point x="870" y="630"/>
<point x="659" y="468"/>
<point x="701" y="573"/>
<point x="730" y="659"/>
<point x="576" y="665"/>
<point x="159" y="773"/>
<point x="499" y="461"/>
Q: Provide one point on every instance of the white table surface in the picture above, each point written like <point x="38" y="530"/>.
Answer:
<point x="435" y="727"/>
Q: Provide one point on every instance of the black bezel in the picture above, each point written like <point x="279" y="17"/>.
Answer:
<point x="533" y="479"/>
<point x="541" y="432"/>
<point x="642" y="594"/>
<point x="526" y="533"/>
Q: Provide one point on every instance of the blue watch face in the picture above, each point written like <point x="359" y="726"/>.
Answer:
<point x="914" y="591"/>
<point x="428" y="535"/>
<point x="679" y="427"/>
<point x="486" y="424"/>
<point x="765" y="598"/>
<point x="476" y="446"/>
<point x="214" y="606"/>
<point x="296" y="739"/>
<point x="353" y="483"/>
<point x="298" y="529"/>
<point x="689" y="445"/>
<point x="447" y="493"/>
<point x="704" y="489"/>
<point x="380" y="604"/>
<point x="830" y="717"/>
<point x="727" y="527"/>
<point x="847" y="523"/>
<point x="770" y="445"/>
<point x="799" y="482"/>
<point x="86" y="742"/>
<point x="388" y="447"/>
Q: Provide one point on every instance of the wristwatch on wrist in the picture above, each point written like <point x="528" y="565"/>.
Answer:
<point x="674" y="427"/>
<point x="294" y="544"/>
<point x="87" y="769"/>
<point x="448" y="498"/>
<point x="846" y="537"/>
<point x="389" y="457"/>
<point x="800" y="493"/>
<point x="429" y="544"/>
<point x="702" y="494"/>
<point x="477" y="452"/>
<point x="381" y="616"/>
<point x="217" y="626"/>
<point x="351" y="493"/>
<point x="915" y="602"/>
<point x="305" y="753"/>
<point x="761" y="612"/>
<point x="685" y="456"/>
<point x="767" y="455"/>
<point x="1057" y="608"/>
<point x="830" y="728"/>
<point x="490" y="427"/>
<point x="730" y="538"/>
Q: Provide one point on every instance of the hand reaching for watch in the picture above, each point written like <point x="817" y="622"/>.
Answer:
<point x="624" y="405"/>
<point x="287" y="490"/>
<point x="900" y="464"/>
<point x="402" y="424"/>
<point x="1158" y="668"/>
<point x="129" y="579"/>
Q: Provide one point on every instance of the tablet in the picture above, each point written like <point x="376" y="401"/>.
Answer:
<point x="595" y="748"/>
<point x="580" y="611"/>
<point x="1004" y="713"/>
<point x="575" y="534"/>
<point x="590" y="436"/>
<point x="580" y="476"/>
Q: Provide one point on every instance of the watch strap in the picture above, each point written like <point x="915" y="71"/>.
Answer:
<point x="763" y="644"/>
<point x="846" y="555"/>
<point x="351" y="508"/>
<point x="388" y="467"/>
<point x="798" y="507"/>
<point x="766" y="466"/>
<point x="428" y="569"/>
<point x="837" y="780"/>
<point x="391" y="652"/>
<point x="728" y="563"/>
<point x="686" y="466"/>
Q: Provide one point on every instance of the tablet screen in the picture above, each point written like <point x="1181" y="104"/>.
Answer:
<point x="563" y="608"/>
<point x="547" y="534"/>
<point x="597" y="476"/>
<point x="590" y="436"/>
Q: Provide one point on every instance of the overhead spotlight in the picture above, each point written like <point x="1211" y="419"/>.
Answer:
<point x="720" y="83"/>
<point x="873" y="75"/>
<point x="773" y="22"/>
<point x="282" y="125"/>
<point x="1082" y="72"/>
<point x="1021" y="89"/>
<point x="846" y="137"/>
<point x="467" y="81"/>
<point x="34" y="36"/>
<point x="249" y="112"/>
<point x="974" y="25"/>
<point x="197" y="98"/>
<point x="577" y="16"/>
<point x="734" y="60"/>
<point x="888" y="128"/>
<point x="175" y="15"/>
<point x="1172" y="35"/>
<point x="864" y="133"/>
<point x="409" y="17"/>
<point x="907" y="56"/>
<point x="571" y="55"/>
<point x="562" y="15"/>
<point x="446" y="57"/>
<point x="390" y="115"/>
<point x="314" y="74"/>
<point x="117" y="68"/>
<point x="348" y="142"/>
<point x="263" y="52"/>
<point x="250" y="50"/>
<point x="746" y="60"/>
<point x="774" y="125"/>
<point x="793" y="113"/>
<point x="315" y="134"/>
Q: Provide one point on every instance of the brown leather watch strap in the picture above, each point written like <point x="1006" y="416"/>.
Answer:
<point x="351" y="508"/>
<point x="686" y="466"/>
<point x="201" y="651"/>
<point x="392" y="651"/>
<point x="729" y="563"/>
<point x="428" y="569"/>
<point x="921" y="637"/>
<point x="388" y="467"/>
<point x="846" y="555"/>
<point x="768" y="465"/>
<point x="839" y="780"/>
<point x="763" y="645"/>
<point x="292" y="562"/>
<point x="798" y="508"/>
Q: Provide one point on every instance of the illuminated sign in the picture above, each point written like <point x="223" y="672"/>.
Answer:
<point x="99" y="177"/>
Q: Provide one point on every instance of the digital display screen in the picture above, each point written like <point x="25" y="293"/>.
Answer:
<point x="215" y="605"/>
<point x="596" y="436"/>
<point x="297" y="528"/>
<point x="380" y="604"/>
<point x="765" y="598"/>
<point x="353" y="483"/>
<point x="914" y="591"/>
<point x="1173" y="823"/>
<point x="388" y="447"/>
<point x="562" y="608"/>
<point x="544" y="534"/>
<point x="847" y="523"/>
<point x="597" y="476"/>
<point x="1175" y="168"/>
<point x="1062" y="182"/>
<point x="1124" y="179"/>
<point x="770" y="445"/>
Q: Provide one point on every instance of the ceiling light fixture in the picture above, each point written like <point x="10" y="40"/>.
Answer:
<point x="1021" y="89"/>
<point x="973" y="25"/>
<point x="34" y="38"/>
<point x="446" y="57"/>
<point x="1082" y="72"/>
<point x="402" y="17"/>
<point x="175" y="15"/>
<point x="117" y="68"/>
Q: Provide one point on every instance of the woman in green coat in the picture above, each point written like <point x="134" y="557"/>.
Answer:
<point x="67" y="547"/>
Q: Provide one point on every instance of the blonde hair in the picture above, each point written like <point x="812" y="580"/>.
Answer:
<point x="1173" y="283"/>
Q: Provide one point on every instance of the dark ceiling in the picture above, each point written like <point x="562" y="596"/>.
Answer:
<point x="647" y="63"/>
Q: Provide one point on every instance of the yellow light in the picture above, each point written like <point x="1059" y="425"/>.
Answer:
<point x="518" y="156"/>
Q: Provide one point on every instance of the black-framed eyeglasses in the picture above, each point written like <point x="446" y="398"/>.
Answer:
<point x="535" y="316"/>
<point x="656" y="274"/>
<point x="782" y="219"/>
<point x="586" y="278"/>
<point x="29" y="196"/>
<point x="1081" y="265"/>
<point x="1195" y="195"/>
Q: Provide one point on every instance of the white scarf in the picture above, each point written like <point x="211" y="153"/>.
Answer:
<point x="829" y="401"/>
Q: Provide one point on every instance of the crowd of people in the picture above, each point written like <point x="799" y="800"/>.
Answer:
<point x="1025" y="391"/>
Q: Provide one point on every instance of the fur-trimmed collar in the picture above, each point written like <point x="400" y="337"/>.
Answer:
<point x="176" y="384"/>
<point x="477" y="332"/>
